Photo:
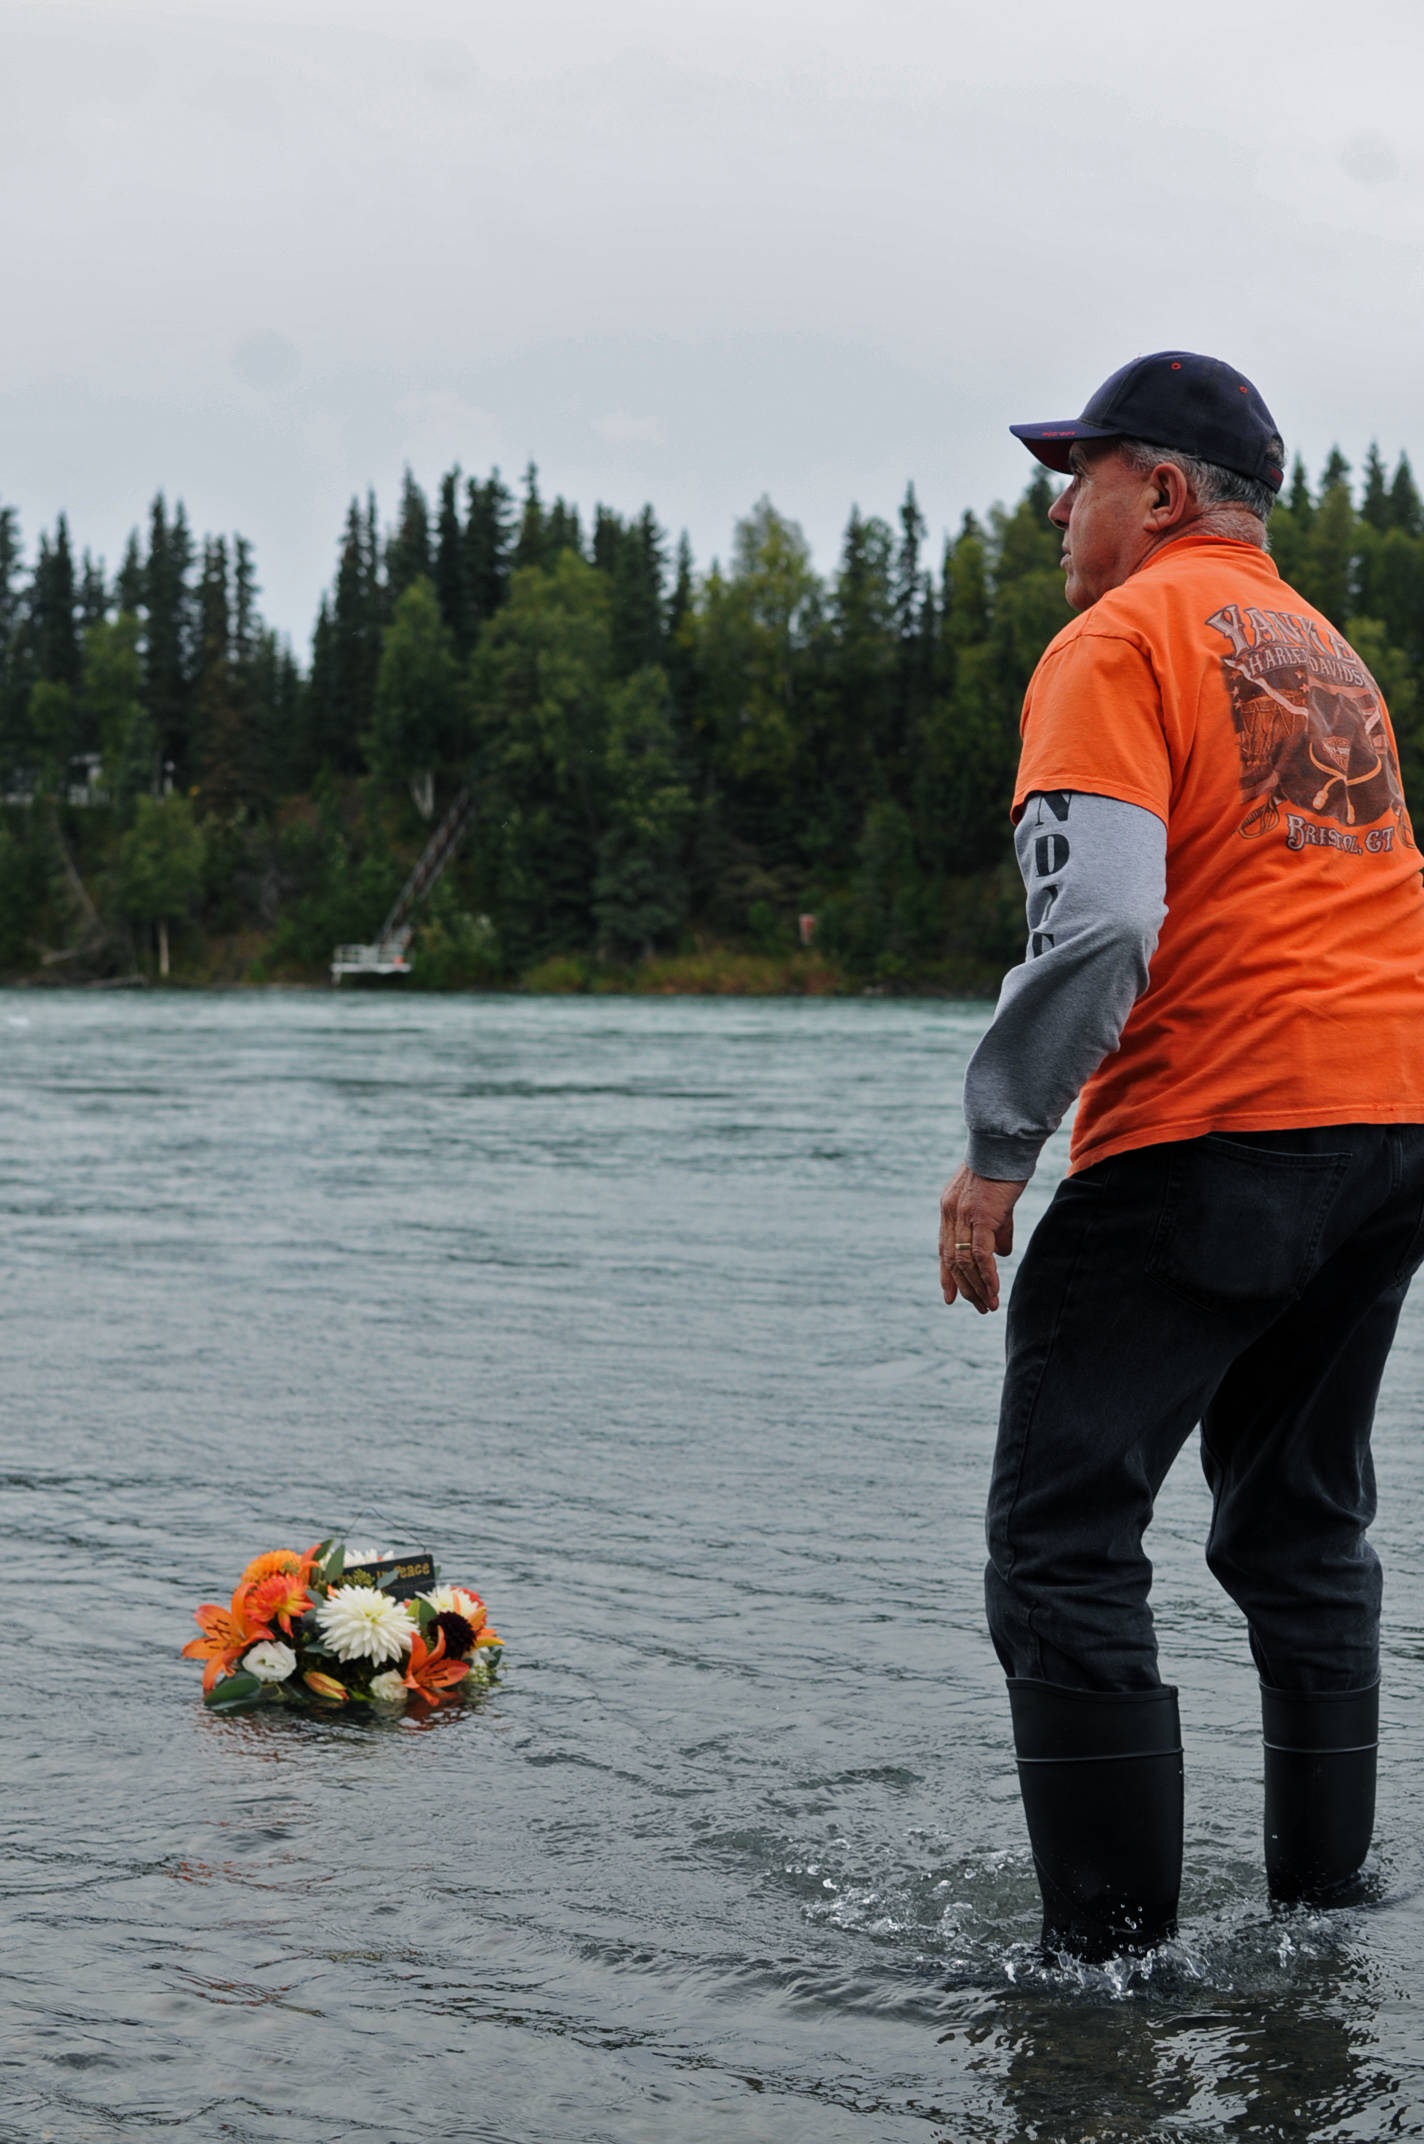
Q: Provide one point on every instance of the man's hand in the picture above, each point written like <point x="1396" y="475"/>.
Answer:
<point x="976" y="1218"/>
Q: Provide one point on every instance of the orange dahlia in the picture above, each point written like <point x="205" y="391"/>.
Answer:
<point x="280" y="1559"/>
<point x="283" y="1594"/>
<point x="272" y="1559"/>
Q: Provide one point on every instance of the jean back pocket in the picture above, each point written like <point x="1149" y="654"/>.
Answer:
<point x="1240" y="1224"/>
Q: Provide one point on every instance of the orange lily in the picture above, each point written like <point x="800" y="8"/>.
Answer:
<point x="429" y="1675"/>
<point x="282" y="1594"/>
<point x="227" y="1633"/>
<point x="325" y="1685"/>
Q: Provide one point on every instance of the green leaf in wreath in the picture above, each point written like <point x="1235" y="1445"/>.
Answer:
<point x="234" y="1690"/>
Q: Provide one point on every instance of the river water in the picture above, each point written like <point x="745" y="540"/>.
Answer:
<point x="627" y="1309"/>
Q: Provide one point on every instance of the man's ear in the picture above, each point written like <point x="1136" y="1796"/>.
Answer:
<point x="1171" y="497"/>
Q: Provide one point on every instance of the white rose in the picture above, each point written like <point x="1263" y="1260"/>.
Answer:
<point x="388" y="1689"/>
<point x="271" y="1661"/>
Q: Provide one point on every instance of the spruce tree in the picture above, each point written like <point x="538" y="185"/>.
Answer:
<point x="912" y="597"/>
<point x="1406" y="512"/>
<point x="277" y="716"/>
<point x="408" y="551"/>
<point x="246" y="625"/>
<point x="544" y="531"/>
<point x="489" y="537"/>
<point x="320" y="697"/>
<point x="531" y="547"/>
<point x="680" y="663"/>
<point x="53" y="614"/>
<point x="636" y="555"/>
<point x="218" y="714"/>
<point x="129" y="581"/>
<point x="909" y="582"/>
<point x="92" y="600"/>
<point x="341" y="712"/>
<point x="451" y="571"/>
<point x="1374" y="500"/>
<point x="680" y="604"/>
<point x="1301" y="501"/>
<point x="169" y="633"/>
<point x="562" y="531"/>
<point x="269" y="720"/>
<point x="606" y="541"/>
<point x="862" y="732"/>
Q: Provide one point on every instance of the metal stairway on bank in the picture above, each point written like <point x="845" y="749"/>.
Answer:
<point x="389" y="955"/>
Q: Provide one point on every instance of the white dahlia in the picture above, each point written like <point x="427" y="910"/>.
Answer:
<point x="358" y="1623"/>
<point x="388" y="1688"/>
<point x="270" y="1661"/>
<point x="362" y="1555"/>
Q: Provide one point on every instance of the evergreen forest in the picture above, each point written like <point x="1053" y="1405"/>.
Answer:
<point x="671" y="771"/>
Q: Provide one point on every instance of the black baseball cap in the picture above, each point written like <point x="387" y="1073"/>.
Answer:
<point x="1173" y="399"/>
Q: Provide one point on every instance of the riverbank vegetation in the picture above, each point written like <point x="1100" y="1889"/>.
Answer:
<point x="750" y="779"/>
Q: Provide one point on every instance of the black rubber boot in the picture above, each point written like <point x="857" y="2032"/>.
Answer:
<point x="1101" y="1778"/>
<point x="1320" y="1791"/>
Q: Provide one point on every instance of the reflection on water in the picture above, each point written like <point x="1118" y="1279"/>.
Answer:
<point x="628" y="1311"/>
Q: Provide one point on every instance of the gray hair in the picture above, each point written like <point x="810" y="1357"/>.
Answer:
<point x="1212" y="486"/>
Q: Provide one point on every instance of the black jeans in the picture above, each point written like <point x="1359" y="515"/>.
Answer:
<point x="1250" y="1282"/>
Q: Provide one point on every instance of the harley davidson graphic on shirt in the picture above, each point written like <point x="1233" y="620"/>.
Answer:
<point x="1311" y="729"/>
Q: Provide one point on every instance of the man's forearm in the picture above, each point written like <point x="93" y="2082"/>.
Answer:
<point x="1095" y="873"/>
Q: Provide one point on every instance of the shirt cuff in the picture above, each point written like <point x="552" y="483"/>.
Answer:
<point x="1005" y="1156"/>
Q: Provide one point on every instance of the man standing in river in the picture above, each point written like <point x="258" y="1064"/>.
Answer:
<point x="1226" y="965"/>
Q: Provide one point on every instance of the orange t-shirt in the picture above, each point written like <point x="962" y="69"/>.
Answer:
<point x="1288" y="982"/>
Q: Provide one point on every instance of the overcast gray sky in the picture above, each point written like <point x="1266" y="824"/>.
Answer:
<point x="678" y="250"/>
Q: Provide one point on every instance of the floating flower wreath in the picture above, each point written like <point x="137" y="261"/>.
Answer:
<point x="344" y="1626"/>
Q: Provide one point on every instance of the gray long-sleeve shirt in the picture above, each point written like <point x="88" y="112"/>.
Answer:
<point x="1095" y="872"/>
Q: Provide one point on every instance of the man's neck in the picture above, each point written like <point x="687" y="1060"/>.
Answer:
<point x="1227" y="524"/>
